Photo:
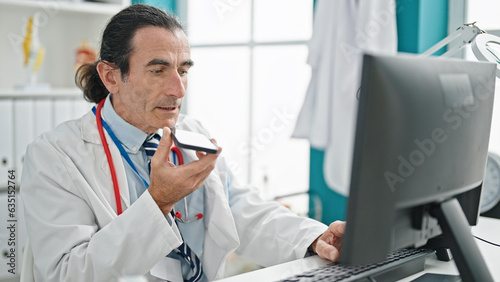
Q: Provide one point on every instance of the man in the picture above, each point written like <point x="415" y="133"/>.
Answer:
<point x="75" y="227"/>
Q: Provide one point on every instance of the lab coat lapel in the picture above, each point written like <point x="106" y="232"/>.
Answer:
<point x="91" y="134"/>
<point x="221" y="238"/>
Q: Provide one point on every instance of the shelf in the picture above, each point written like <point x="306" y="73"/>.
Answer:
<point x="53" y="7"/>
<point x="63" y="25"/>
<point x="44" y="94"/>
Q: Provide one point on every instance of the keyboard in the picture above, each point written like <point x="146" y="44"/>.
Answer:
<point x="398" y="265"/>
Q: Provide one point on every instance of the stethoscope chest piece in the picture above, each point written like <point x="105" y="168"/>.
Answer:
<point x="178" y="214"/>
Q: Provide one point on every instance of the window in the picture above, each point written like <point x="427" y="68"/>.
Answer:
<point x="248" y="85"/>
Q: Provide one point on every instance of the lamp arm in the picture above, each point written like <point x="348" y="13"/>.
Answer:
<point x="466" y="32"/>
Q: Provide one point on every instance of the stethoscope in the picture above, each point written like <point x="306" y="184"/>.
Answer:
<point x="101" y="125"/>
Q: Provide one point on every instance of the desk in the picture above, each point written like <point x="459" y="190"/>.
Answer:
<point x="487" y="228"/>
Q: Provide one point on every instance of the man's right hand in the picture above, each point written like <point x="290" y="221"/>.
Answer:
<point x="170" y="183"/>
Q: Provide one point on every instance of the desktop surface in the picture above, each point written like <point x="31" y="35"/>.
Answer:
<point x="487" y="229"/>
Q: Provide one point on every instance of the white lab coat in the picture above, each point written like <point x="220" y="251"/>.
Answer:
<point x="76" y="235"/>
<point x="343" y="31"/>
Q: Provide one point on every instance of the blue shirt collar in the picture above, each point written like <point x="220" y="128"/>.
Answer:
<point x="130" y="136"/>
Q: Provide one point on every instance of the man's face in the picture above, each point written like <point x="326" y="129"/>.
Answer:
<point x="152" y="93"/>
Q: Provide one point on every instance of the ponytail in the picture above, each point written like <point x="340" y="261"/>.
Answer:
<point x="88" y="80"/>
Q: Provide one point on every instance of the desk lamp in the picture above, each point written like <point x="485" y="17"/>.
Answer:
<point x="485" y="47"/>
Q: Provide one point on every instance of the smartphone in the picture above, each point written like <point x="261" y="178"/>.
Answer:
<point x="193" y="141"/>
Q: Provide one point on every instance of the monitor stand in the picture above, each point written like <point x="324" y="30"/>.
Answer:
<point x="457" y="234"/>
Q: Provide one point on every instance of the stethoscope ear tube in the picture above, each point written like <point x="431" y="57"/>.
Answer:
<point x="108" y="156"/>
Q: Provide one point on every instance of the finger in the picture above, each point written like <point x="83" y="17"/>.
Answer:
<point x="203" y="175"/>
<point x="198" y="169"/>
<point x="163" y="150"/>
<point x="203" y="171"/>
<point x="201" y="180"/>
<point x="200" y="154"/>
<point x="337" y="228"/>
<point x="193" y="181"/>
<point x="199" y="177"/>
<point x="327" y="251"/>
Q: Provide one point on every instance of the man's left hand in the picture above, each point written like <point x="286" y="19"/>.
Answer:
<point x="328" y="244"/>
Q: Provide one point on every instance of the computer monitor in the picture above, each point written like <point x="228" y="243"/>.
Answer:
<point x="419" y="159"/>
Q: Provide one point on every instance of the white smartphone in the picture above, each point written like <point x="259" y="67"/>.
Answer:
<point x="193" y="141"/>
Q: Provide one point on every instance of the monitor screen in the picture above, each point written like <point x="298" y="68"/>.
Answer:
<point x="422" y="136"/>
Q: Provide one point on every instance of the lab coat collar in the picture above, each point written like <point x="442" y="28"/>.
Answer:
<point x="89" y="133"/>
